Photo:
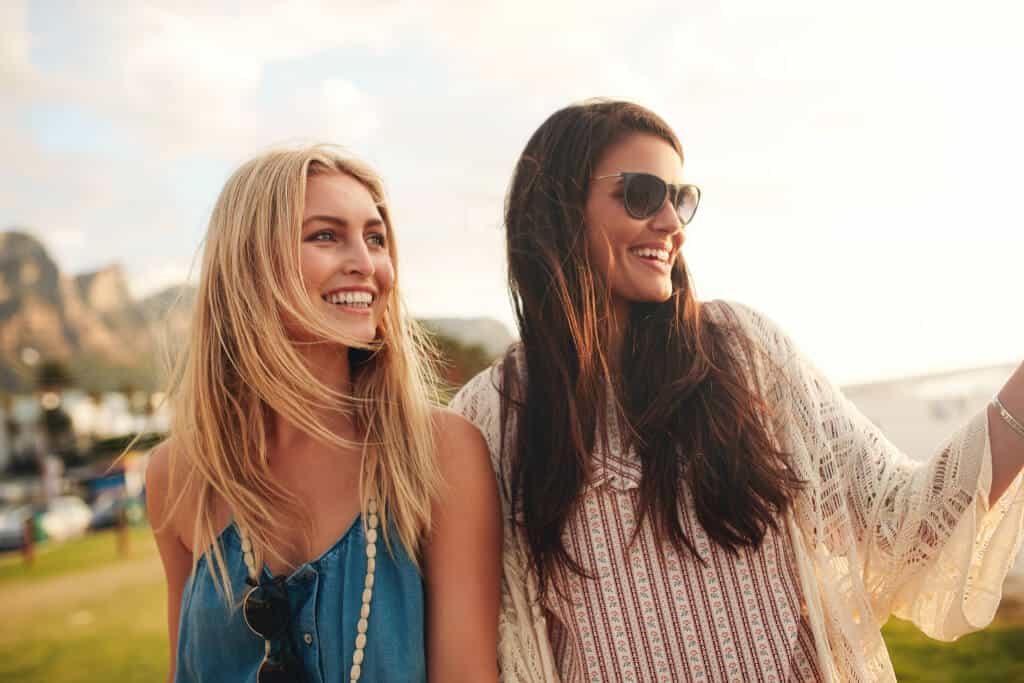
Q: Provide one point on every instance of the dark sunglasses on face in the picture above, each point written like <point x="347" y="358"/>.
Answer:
<point x="643" y="195"/>
<point x="267" y="614"/>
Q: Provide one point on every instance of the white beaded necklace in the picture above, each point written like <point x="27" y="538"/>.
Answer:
<point x="371" y="565"/>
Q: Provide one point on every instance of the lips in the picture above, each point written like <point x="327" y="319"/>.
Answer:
<point x="355" y="298"/>
<point x="652" y="254"/>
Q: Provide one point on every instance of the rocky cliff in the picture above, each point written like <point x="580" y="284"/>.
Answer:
<point x="106" y="338"/>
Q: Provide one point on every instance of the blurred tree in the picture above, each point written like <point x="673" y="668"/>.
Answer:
<point x="60" y="435"/>
<point x="53" y="375"/>
<point x="55" y="421"/>
<point x="57" y="430"/>
<point x="112" y="447"/>
<point x="460" y="362"/>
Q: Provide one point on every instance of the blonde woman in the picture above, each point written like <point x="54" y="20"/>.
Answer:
<point x="318" y="518"/>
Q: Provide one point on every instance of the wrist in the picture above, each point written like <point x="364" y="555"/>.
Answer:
<point x="1014" y="421"/>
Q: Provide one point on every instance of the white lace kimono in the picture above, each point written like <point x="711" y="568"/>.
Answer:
<point x="875" y="533"/>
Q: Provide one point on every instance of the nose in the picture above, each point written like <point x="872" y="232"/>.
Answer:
<point x="666" y="220"/>
<point x="356" y="259"/>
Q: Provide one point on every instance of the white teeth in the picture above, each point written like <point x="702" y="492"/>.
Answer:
<point x="657" y="254"/>
<point x="357" y="299"/>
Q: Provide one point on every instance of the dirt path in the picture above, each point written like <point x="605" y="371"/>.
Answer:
<point x="103" y="582"/>
<point x="91" y="584"/>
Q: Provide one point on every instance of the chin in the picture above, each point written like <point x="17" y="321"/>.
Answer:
<point x="363" y="336"/>
<point x="657" y="297"/>
<point x="360" y="334"/>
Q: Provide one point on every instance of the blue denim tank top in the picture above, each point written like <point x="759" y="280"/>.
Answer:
<point x="215" y="645"/>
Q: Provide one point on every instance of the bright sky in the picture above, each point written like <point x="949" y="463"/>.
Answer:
<point x="859" y="160"/>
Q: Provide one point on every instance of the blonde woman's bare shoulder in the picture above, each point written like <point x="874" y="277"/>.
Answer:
<point x="463" y="460"/>
<point x="459" y="442"/>
<point x="158" y="480"/>
<point x="462" y="556"/>
<point x="171" y="492"/>
<point x="468" y="509"/>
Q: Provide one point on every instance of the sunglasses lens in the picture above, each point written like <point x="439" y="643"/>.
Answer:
<point x="284" y="669"/>
<point x="687" y="201"/>
<point x="266" y="611"/>
<point x="643" y="194"/>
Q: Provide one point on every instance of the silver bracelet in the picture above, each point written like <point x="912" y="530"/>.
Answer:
<point x="1014" y="423"/>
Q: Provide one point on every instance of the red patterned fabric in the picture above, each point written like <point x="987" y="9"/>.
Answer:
<point x="651" y="614"/>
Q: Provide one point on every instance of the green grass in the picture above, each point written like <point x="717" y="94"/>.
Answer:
<point x="995" y="654"/>
<point x="120" y="637"/>
<point x="82" y="614"/>
<point x="89" y="552"/>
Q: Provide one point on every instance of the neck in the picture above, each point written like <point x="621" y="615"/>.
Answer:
<point x="329" y="363"/>
<point x="618" y="323"/>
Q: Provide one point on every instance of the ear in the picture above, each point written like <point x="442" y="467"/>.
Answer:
<point x="382" y="324"/>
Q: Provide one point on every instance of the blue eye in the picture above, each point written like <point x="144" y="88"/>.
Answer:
<point x="322" y="236"/>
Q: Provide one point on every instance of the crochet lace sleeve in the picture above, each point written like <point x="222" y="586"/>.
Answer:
<point x="918" y="538"/>
<point x="524" y="652"/>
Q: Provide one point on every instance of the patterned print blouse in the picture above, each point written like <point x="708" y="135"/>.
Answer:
<point x="873" y="534"/>
<point x="652" y="614"/>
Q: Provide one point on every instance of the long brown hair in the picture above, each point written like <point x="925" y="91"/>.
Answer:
<point x="693" y="416"/>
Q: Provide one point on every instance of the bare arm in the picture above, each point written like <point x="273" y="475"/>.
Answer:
<point x="177" y="558"/>
<point x="1007" y="445"/>
<point x="463" y="560"/>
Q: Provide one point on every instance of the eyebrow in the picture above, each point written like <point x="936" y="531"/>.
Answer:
<point x="342" y="223"/>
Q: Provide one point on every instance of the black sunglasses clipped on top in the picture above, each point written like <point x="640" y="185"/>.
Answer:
<point x="643" y="195"/>
<point x="267" y="614"/>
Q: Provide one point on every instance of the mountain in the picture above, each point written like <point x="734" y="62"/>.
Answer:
<point x="89" y="323"/>
<point x="105" y="290"/>
<point x="492" y="336"/>
<point x="169" y="312"/>
<point x="35" y="302"/>
<point x="106" y="338"/>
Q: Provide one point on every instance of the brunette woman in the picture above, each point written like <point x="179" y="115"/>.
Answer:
<point x="685" y="496"/>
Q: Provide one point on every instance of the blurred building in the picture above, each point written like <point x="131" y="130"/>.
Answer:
<point x="918" y="414"/>
<point x="99" y="416"/>
<point x="92" y="417"/>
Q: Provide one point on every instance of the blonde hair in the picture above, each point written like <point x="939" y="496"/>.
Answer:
<point x="240" y="365"/>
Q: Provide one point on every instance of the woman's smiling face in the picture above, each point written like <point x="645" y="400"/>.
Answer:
<point x="635" y="257"/>
<point x="344" y="259"/>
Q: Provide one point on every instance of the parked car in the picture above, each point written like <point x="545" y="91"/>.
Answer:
<point x="12" y="526"/>
<point x="109" y="504"/>
<point x="59" y="519"/>
<point x="62" y="518"/>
